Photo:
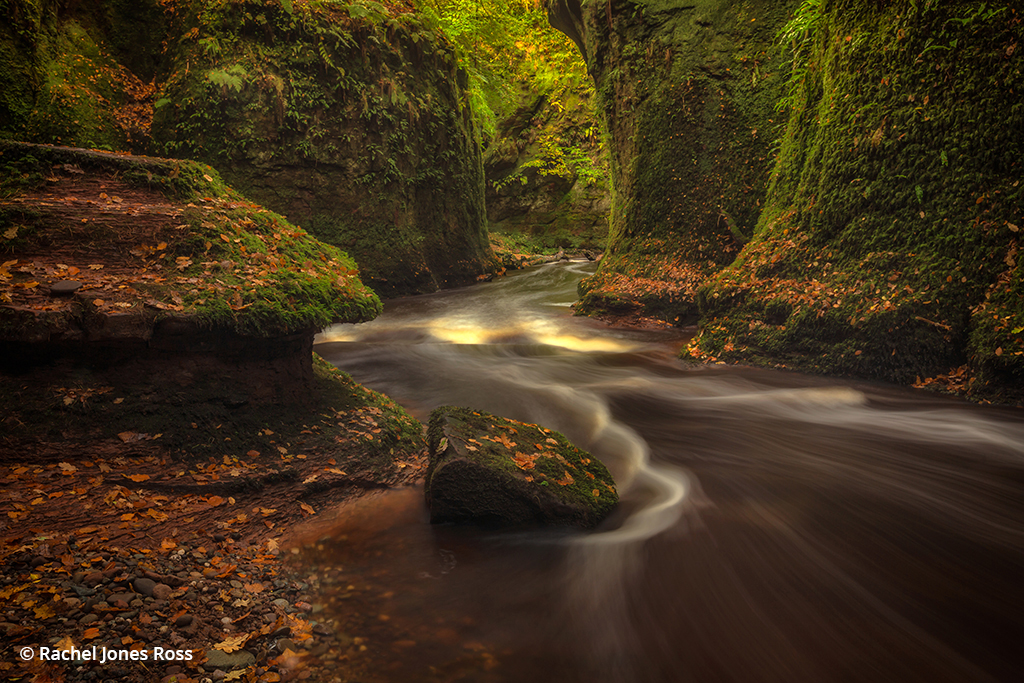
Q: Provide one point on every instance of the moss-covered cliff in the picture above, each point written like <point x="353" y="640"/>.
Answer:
<point x="351" y="119"/>
<point x="889" y="244"/>
<point x="687" y="92"/>
<point x="547" y="171"/>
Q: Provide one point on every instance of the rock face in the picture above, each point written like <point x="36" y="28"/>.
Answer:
<point x="879" y="238"/>
<point x="494" y="471"/>
<point x="351" y="120"/>
<point x="687" y="93"/>
<point x="547" y="174"/>
<point x="889" y="245"/>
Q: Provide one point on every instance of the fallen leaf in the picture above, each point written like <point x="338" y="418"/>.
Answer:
<point x="91" y="633"/>
<point x="307" y="508"/>
<point x="137" y="478"/>
<point x="232" y="644"/>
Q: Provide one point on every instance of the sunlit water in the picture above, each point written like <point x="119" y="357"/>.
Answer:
<point x="773" y="526"/>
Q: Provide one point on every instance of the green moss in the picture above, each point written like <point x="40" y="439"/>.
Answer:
<point x="507" y="445"/>
<point x="894" y="205"/>
<point x="347" y="119"/>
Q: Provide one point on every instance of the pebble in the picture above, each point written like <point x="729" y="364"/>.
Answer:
<point x="144" y="586"/>
<point x="162" y="591"/>
<point x="183" y="621"/>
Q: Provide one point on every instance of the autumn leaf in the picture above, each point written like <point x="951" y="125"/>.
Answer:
<point x="168" y="544"/>
<point x="128" y="516"/>
<point x="254" y="587"/>
<point x="266" y="512"/>
<point x="307" y="508"/>
<point x="91" y="633"/>
<point x="67" y="468"/>
<point x="232" y="643"/>
<point x="137" y="478"/>
<point x="524" y="461"/>
<point x="566" y="480"/>
<point x="214" y="501"/>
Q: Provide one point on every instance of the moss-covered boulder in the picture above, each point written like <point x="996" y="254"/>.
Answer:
<point x="135" y="267"/>
<point x="350" y="119"/>
<point x="687" y="92"/>
<point x="491" y="470"/>
<point x="889" y="245"/>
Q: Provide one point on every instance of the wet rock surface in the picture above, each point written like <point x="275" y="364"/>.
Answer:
<point x="494" y="471"/>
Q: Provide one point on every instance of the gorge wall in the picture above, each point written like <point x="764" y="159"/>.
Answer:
<point x="687" y="92"/>
<point x="881" y="235"/>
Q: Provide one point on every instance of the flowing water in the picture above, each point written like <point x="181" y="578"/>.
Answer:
<point x="773" y="526"/>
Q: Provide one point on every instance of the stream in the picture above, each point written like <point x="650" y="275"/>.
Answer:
<point x="773" y="526"/>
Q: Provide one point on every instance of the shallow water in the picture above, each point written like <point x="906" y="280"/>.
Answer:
<point x="774" y="526"/>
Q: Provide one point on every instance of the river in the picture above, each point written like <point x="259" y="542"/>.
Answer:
<point x="773" y="526"/>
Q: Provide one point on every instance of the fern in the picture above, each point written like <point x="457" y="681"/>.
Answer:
<point x="232" y="78"/>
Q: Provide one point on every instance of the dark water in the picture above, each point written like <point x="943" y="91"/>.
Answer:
<point x="774" y="527"/>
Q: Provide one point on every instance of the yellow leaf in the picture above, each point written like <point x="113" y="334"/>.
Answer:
<point x="168" y="544"/>
<point x="231" y="644"/>
<point x="266" y="512"/>
<point x="91" y="633"/>
<point x="128" y="516"/>
<point x="307" y="508"/>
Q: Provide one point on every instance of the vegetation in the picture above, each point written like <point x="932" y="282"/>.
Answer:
<point x="888" y="247"/>
<point x="533" y="100"/>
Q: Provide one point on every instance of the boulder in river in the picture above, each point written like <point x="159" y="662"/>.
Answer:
<point x="499" y="472"/>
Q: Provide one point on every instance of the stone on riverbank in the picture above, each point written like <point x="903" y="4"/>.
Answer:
<point x="495" y="471"/>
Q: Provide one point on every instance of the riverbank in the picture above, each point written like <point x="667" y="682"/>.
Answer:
<point x="125" y="543"/>
<point x="166" y="425"/>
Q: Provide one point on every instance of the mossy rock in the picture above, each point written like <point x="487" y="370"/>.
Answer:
<point x="495" y="471"/>
<point x="153" y="240"/>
